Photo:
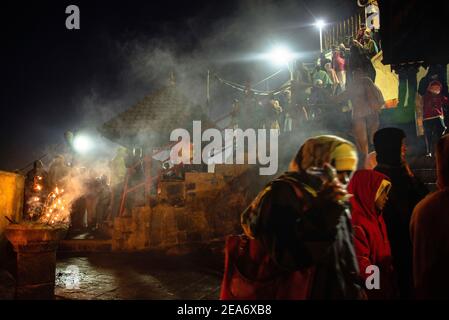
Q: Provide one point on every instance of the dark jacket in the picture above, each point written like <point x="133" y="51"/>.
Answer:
<point x="358" y="60"/>
<point x="429" y="231"/>
<point x="433" y="104"/>
<point x="406" y="192"/>
<point x="300" y="232"/>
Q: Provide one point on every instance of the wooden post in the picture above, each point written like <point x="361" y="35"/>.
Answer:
<point x="345" y="29"/>
<point x="326" y="40"/>
<point x="354" y="30"/>
<point x="333" y="34"/>
<point x="341" y="37"/>
<point x="124" y="193"/>
<point x="148" y="179"/>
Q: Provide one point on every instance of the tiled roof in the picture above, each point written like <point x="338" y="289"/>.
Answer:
<point x="154" y="116"/>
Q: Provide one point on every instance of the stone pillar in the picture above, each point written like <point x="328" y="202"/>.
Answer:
<point x="35" y="246"/>
<point x="11" y="203"/>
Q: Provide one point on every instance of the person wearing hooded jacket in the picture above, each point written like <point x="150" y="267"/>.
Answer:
<point x="406" y="192"/>
<point x="367" y="101"/>
<point x="339" y="65"/>
<point x="434" y="103"/>
<point x="303" y="225"/>
<point x="370" y="192"/>
<point x="429" y="232"/>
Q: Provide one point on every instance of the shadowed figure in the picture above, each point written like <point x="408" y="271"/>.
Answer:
<point x="429" y="231"/>
<point x="406" y="192"/>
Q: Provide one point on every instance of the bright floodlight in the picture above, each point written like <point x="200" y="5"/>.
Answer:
<point x="82" y="144"/>
<point x="320" y="24"/>
<point x="281" y="56"/>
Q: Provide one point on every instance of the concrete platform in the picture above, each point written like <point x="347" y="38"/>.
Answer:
<point x="85" y="245"/>
<point x="139" y="276"/>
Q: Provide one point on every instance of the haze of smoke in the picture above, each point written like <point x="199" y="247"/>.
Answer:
<point x="148" y="63"/>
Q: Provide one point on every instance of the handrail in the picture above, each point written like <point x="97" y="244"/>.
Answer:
<point x="148" y="180"/>
<point x="337" y="33"/>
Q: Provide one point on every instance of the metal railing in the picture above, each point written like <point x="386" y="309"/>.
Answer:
<point x="340" y="32"/>
<point x="147" y="165"/>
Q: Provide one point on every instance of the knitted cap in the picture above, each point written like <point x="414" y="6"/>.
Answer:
<point x="345" y="158"/>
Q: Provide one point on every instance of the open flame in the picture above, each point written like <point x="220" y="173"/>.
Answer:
<point x="55" y="211"/>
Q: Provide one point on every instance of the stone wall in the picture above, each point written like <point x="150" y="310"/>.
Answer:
<point x="200" y="208"/>
<point x="11" y="203"/>
<point x="131" y="233"/>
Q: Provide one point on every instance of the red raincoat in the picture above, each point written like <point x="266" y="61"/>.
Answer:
<point x="370" y="234"/>
<point x="434" y="103"/>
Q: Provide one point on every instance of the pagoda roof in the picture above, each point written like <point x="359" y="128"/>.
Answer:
<point x="151" y="120"/>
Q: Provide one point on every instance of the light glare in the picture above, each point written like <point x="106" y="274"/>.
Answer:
<point x="281" y="56"/>
<point x="82" y="144"/>
<point x="320" y="24"/>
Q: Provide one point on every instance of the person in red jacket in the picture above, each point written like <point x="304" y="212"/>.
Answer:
<point x="370" y="193"/>
<point x="433" y="114"/>
<point x="339" y="65"/>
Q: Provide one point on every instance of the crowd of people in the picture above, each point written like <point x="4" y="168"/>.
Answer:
<point x="345" y="81"/>
<point x="327" y="235"/>
<point x="95" y="194"/>
<point x="347" y="74"/>
<point x="91" y="192"/>
<point x="337" y="212"/>
<point x="344" y="210"/>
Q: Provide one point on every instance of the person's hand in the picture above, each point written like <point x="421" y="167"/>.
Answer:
<point x="330" y="200"/>
<point x="357" y="44"/>
<point x="332" y="189"/>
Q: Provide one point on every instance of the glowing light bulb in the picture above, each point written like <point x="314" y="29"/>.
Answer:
<point x="281" y="56"/>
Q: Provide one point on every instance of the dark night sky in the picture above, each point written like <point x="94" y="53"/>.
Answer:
<point x="48" y="71"/>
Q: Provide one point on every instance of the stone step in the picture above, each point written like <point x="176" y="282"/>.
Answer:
<point x="426" y="175"/>
<point x="85" y="245"/>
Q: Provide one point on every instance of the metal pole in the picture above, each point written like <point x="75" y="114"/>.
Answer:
<point x="208" y="94"/>
<point x="290" y="69"/>
<point x="321" y="39"/>
<point x="208" y="86"/>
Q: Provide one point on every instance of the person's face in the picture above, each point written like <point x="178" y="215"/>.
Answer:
<point x="436" y="90"/>
<point x="382" y="199"/>
<point x="344" y="177"/>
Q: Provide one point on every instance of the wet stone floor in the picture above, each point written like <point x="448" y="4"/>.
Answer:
<point x="138" y="276"/>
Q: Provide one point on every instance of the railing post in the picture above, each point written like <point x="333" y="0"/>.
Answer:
<point x="124" y="193"/>
<point x="148" y="179"/>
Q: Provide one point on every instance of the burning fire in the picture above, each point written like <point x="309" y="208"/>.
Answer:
<point x="55" y="211"/>
<point x="36" y="185"/>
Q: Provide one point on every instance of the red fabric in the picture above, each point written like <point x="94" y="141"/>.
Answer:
<point x="338" y="63"/>
<point x="250" y="274"/>
<point x="433" y="103"/>
<point x="370" y="234"/>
